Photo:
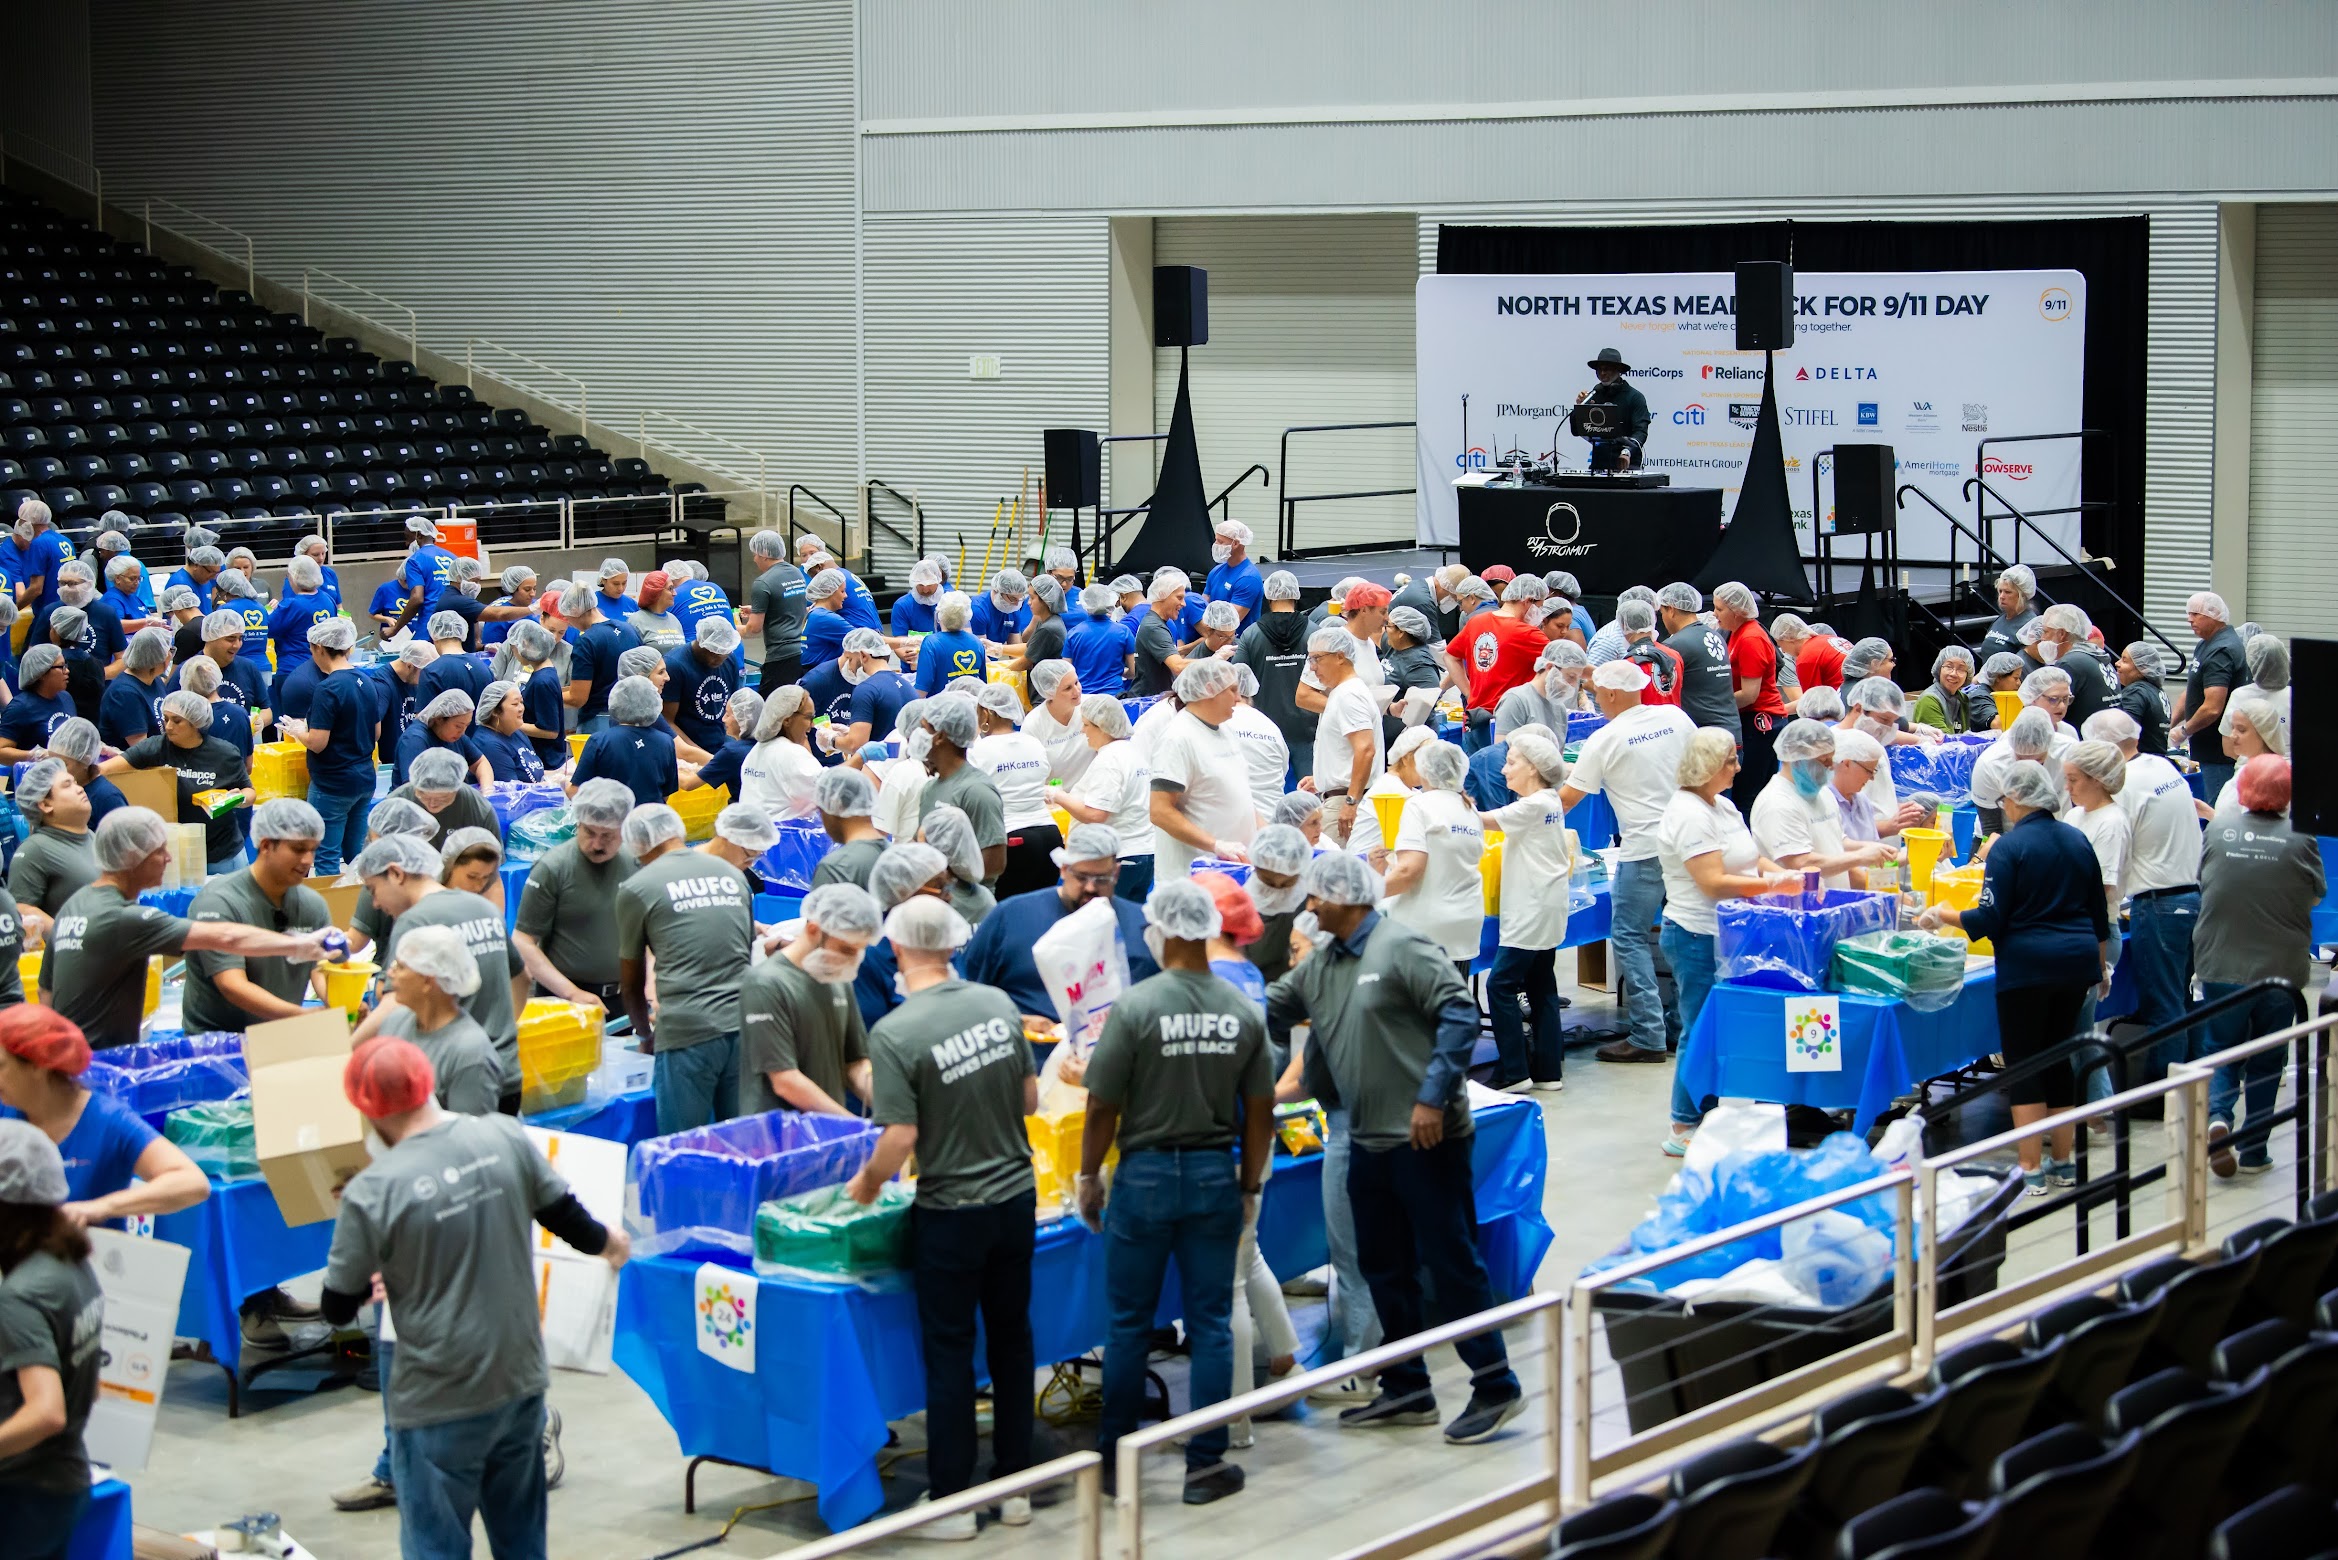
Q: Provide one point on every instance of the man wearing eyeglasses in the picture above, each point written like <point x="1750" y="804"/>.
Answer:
<point x="1000" y="954"/>
<point x="229" y="991"/>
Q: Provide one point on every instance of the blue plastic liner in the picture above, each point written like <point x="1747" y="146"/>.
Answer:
<point x="1945" y="770"/>
<point x="171" y="901"/>
<point x="515" y="799"/>
<point x="1787" y="941"/>
<point x="716" y="1177"/>
<point x="1582" y="723"/>
<point x="787" y="867"/>
<point x="1239" y="871"/>
<point x="170" y="1071"/>
<point x="1744" y="1187"/>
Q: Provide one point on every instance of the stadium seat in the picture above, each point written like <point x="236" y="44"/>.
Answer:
<point x="2101" y="1341"/>
<point x="2054" y="1490"/>
<point x="2197" y="1300"/>
<point x="2292" y="1260"/>
<point x="2295" y="1437"/>
<point x="2191" y="1430"/>
<point x="1622" y="1527"/>
<point x="2289" y="1524"/>
<point x="1733" y="1498"/>
<point x="1921" y="1525"/>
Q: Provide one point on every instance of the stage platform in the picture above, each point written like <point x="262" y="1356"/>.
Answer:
<point x="1378" y="567"/>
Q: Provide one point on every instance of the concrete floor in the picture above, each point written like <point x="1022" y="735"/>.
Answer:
<point x="1314" y="1489"/>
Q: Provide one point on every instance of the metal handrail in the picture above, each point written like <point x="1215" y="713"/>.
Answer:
<point x="1224" y="500"/>
<point x="1286" y="510"/>
<point x="875" y="485"/>
<point x="843" y="526"/>
<point x="2020" y="520"/>
<point x="472" y="370"/>
<point x="1084" y="1469"/>
<point x="2083" y="506"/>
<point x="309" y="296"/>
<point x="146" y="214"/>
<point x="94" y="183"/>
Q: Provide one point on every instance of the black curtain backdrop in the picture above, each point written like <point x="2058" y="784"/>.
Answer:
<point x="2112" y="253"/>
<point x="1177" y="526"/>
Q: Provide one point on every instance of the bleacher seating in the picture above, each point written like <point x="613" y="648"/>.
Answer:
<point x="130" y="384"/>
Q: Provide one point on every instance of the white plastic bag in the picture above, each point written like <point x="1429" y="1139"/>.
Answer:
<point x="1732" y="1126"/>
<point x="1085" y="967"/>
<point x="1834" y="1256"/>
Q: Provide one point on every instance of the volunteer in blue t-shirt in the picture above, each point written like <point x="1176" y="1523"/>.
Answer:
<point x="700" y="679"/>
<point x="722" y="765"/>
<point x="1099" y="645"/>
<point x="315" y="548"/>
<point x="913" y="613"/>
<point x="130" y="593"/>
<point x="496" y="729"/>
<point x="543" y="694"/>
<point x="116" y="1166"/>
<point x="696" y="599"/>
<point x="201" y="568"/>
<point x="825" y="624"/>
<point x="304" y="605"/>
<point x="131" y="710"/>
<point x="949" y="652"/>
<point x="1233" y="577"/>
<point x="630" y="749"/>
<point x="423" y="575"/>
<point x="344" y="715"/>
<point x="615" y="604"/>
<point x="1003" y="612"/>
<point x="592" y="662"/>
<point x="519" y="590"/>
<point x="41" y="704"/>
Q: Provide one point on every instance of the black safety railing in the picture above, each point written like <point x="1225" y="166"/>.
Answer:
<point x="878" y="488"/>
<point x="2085" y="506"/>
<point x="794" y="526"/>
<point x="2095" y="1052"/>
<point x="1287" y="503"/>
<point x="1097" y="550"/>
<point x="1223" y="504"/>
<point x="1976" y="487"/>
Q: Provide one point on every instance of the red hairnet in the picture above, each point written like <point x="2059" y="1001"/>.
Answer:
<point x="1364" y="597"/>
<point x="2263" y="784"/>
<point x="1499" y="574"/>
<point x="656" y="580"/>
<point x="50" y="1040"/>
<point x="1236" y="910"/>
<point x="387" y="1076"/>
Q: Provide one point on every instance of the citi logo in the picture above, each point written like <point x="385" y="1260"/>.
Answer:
<point x="1728" y="371"/>
<point x="1691" y="416"/>
<point x="1471" y="459"/>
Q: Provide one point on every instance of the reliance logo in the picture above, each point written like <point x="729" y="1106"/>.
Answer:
<point x="1728" y="371"/>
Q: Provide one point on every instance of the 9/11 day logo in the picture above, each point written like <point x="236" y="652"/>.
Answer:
<point x="1562" y="532"/>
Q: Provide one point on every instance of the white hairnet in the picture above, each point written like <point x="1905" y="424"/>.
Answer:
<point x="1295" y="808"/>
<point x="1282" y="585"/>
<point x="953" y="612"/>
<point x="927" y="572"/>
<point x="150" y="649"/>
<point x="926" y="925"/>
<point x="861" y="641"/>
<point x="603" y="803"/>
<point x="75" y="739"/>
<point x="417" y="653"/>
<point x="1281" y="848"/>
<point x="1876" y="695"/>
<point x="640" y="661"/>
<point x="651" y="825"/>
<point x="2032" y="734"/>
<point x="396" y="815"/>
<point x="1635" y="617"/>
<point x="2114" y="726"/>
<point x="1411" y="741"/>
<point x="948" y="830"/>
<point x="2024" y="583"/>
<point x="532" y="642"/>
<point x="516" y="577"/>
<point x="1954" y="654"/>
<point x="770" y="544"/>
<point x="1047" y="677"/>
<point x="1737" y="598"/>
<point x="32" y="1168"/>
<point x="201" y="676"/>
<point x="844" y="793"/>
<point x="1088" y="842"/>
<point x="749" y="828"/>
<point x="1165" y="583"/>
<point x="436" y="769"/>
<point x="222" y="624"/>
<point x="1803" y="739"/>
<point x="843" y="910"/>
<point x="1233" y="531"/>
<point x="577" y="601"/>
<point x="491" y="699"/>
<point x="1857" y="747"/>
<point x="1245" y="681"/>
<point x="1096" y="598"/>
<point x="205" y="558"/>
<point x="1341" y="879"/>
<point x="1331" y="639"/>
<point x="2003" y="664"/>
<point x="716" y="635"/>
<point x="177" y="598"/>
<point x="1010" y="582"/>
<point x="950" y="719"/>
<point x="614" y="569"/>
<point x="634" y="701"/>
<point x="1106" y="714"/>
<point x="1471" y="588"/>
<point x="2065" y="617"/>
<point x="1526" y="587"/>
<point x="192" y="708"/>
<point x="826" y="583"/>
<point x="2046" y="680"/>
<point x="2032" y="787"/>
<point x="438" y="955"/>
<point x="448" y="625"/>
<point x="67" y="624"/>
<point x="904" y="869"/>
<point x="744" y="707"/>
<point x="1413" y="623"/>
<point x="1221" y="617"/>
<point x="1442" y="766"/>
<point x="1000" y="700"/>
<point x="1861" y="660"/>
<point x="287" y="818"/>
<point x="1619" y="676"/>
<point x="1061" y="558"/>
<point x="336" y="633"/>
<point x="2264" y="718"/>
<point x="407" y="852"/>
<point x="1047" y="590"/>
<point x="1205" y="678"/>
<point x="2268" y="660"/>
<point x="2148" y="661"/>
<point x="459" y="841"/>
<point x="127" y="836"/>
<point x="37" y="663"/>
<point x="1541" y="755"/>
<point x="422" y="526"/>
<point x="39" y="779"/>
<point x="1183" y="909"/>
<point x="2102" y="761"/>
<point x="1681" y="596"/>
<point x="783" y="704"/>
<point x="452" y="702"/>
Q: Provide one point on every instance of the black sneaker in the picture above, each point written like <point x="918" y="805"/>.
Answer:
<point x="1483" y="1417"/>
<point x="1414" y="1408"/>
<point x="1213" y="1483"/>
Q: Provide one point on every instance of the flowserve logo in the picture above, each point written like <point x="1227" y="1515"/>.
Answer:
<point x="2010" y="470"/>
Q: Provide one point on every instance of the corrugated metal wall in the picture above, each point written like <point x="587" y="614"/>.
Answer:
<point x="2182" y="339"/>
<point x="1311" y="321"/>
<point x="659" y="199"/>
<point x="2293" y="426"/>
<point x="940" y="290"/>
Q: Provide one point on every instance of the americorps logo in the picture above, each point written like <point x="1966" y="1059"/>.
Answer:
<point x="1807" y="374"/>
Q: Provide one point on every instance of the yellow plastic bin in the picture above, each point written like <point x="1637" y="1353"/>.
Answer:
<point x="153" y="985"/>
<point x="1490" y="867"/>
<point x="28" y="971"/>
<point x="346" y="984"/>
<point x="559" y="1045"/>
<point x="280" y="769"/>
<point x="2008" y="706"/>
<point x="1013" y="679"/>
<point x="1959" y="888"/>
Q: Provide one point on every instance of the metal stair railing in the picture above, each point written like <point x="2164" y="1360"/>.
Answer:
<point x="2022" y="521"/>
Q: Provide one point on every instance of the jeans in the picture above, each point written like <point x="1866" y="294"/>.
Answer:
<point x="345" y="813"/>
<point x="962" y="1260"/>
<point x="2268" y="1012"/>
<point x="384" y="1349"/>
<point x="1524" y="979"/>
<point x="2159" y="940"/>
<point x="1416" y="1211"/>
<point x="1135" y="882"/>
<point x="593" y="723"/>
<point x="696" y="1085"/>
<point x="1691" y="956"/>
<point x="1355" y="1325"/>
<point x="41" y="1522"/>
<point x="1649" y="1009"/>
<point x="1169" y="1203"/>
<point x="491" y="1464"/>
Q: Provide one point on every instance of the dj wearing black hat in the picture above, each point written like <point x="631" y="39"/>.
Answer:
<point x="1620" y="451"/>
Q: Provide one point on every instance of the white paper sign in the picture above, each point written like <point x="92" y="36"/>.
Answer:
<point x="141" y="1280"/>
<point x="576" y="1299"/>
<point x="723" y="1303"/>
<point x="1928" y="362"/>
<point x="1814" y="1034"/>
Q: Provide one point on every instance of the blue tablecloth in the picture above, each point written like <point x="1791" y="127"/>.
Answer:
<point x="1593" y="821"/>
<point x="103" y="1533"/>
<point x="834" y="1364"/>
<point x="2326" y="913"/>
<point x="624" y="1118"/>
<point x="239" y="1245"/>
<point x="1587" y="925"/>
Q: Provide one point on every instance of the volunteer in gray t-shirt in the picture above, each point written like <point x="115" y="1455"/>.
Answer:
<point x="431" y="975"/>
<point x="692" y="912"/>
<point x="11" y="951"/>
<point x="1707" y="686"/>
<point x="94" y="968"/>
<point x="959" y="784"/>
<point x="801" y="1038"/>
<point x="442" y="1216"/>
<point x="402" y="872"/>
<point x="1391" y="1032"/>
<point x="776" y="609"/>
<point x="954" y="1080"/>
<point x="1180" y="1070"/>
<point x="51" y="866"/>
<point x="567" y="925"/>
<point x="51" y="1328"/>
<point x="226" y="991"/>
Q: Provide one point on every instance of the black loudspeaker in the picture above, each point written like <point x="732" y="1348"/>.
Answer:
<point x="1864" y="477"/>
<point x="1075" y="468"/>
<point x="1181" y="306"/>
<point x="2313" y="736"/>
<point x="1765" y="306"/>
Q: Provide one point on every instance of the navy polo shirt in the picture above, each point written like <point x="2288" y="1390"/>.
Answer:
<point x="698" y="693"/>
<point x="641" y="758"/>
<point x="2042" y="906"/>
<point x="595" y="660"/>
<point x="831" y="694"/>
<point x="127" y="713"/>
<point x="348" y="705"/>
<point x="541" y="706"/>
<point x="1000" y="954"/>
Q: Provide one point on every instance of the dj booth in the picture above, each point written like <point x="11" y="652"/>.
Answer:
<point x="1608" y="531"/>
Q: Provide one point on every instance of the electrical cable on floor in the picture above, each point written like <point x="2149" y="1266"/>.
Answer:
<point x="740" y="1513"/>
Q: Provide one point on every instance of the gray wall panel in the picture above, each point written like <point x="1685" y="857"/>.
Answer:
<point x="46" y="44"/>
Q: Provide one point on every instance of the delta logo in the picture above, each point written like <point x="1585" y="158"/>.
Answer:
<point x="1805" y="375"/>
<point x="2010" y="470"/>
<point x="1727" y="372"/>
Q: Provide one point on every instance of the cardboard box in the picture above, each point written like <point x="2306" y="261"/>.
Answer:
<point x="141" y="1280"/>
<point x="157" y="789"/>
<point x="310" y="1140"/>
<point x="340" y="898"/>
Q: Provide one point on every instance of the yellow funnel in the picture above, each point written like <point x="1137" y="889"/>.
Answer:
<point x="1924" y="848"/>
<point x="1390" y="809"/>
<point x="346" y="984"/>
<point x="2008" y="706"/>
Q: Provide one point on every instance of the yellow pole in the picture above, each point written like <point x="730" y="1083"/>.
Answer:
<point x="990" y="542"/>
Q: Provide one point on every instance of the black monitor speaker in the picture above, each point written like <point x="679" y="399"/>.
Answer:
<point x="1181" y="306"/>
<point x="1765" y="306"/>
<point x="1864" y="478"/>
<point x="1075" y="468"/>
<point x="2313" y="736"/>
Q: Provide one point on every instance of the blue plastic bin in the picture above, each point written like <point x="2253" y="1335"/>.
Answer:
<point x="716" y="1177"/>
<point x="515" y="799"/>
<point x="169" y="1071"/>
<point x="1787" y="941"/>
<point x="787" y="867"/>
<point x="1946" y="770"/>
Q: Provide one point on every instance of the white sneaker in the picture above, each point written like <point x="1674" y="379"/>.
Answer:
<point x="1347" y="1394"/>
<point x="1015" y="1511"/>
<point x="1240" y="1437"/>
<point x="955" y="1529"/>
<point x="1549" y="1086"/>
<point x="1307" y="1286"/>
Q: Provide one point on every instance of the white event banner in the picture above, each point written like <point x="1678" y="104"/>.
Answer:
<point x="1928" y="362"/>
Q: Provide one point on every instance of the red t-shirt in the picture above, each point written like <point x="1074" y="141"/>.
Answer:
<point x="1752" y="655"/>
<point x="1820" y="662"/>
<point x="1500" y="652"/>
